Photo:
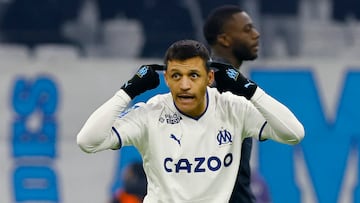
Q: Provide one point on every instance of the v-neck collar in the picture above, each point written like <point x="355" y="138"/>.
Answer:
<point x="197" y="117"/>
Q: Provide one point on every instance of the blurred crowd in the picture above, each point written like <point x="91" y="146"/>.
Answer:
<point x="145" y="28"/>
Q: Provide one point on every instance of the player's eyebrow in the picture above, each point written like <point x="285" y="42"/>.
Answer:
<point x="189" y="68"/>
<point x="194" y="71"/>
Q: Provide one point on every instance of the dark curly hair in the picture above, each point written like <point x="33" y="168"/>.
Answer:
<point x="214" y="24"/>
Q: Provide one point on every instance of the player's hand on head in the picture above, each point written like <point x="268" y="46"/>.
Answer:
<point x="146" y="78"/>
<point x="230" y="79"/>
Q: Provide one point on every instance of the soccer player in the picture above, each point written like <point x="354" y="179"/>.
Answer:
<point x="134" y="189"/>
<point x="190" y="138"/>
<point x="232" y="37"/>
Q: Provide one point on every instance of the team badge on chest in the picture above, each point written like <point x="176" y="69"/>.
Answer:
<point x="224" y="137"/>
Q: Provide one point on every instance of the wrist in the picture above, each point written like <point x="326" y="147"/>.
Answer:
<point x="257" y="94"/>
<point x="123" y="96"/>
<point x="130" y="93"/>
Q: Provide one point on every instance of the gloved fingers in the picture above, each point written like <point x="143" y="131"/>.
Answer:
<point x="156" y="67"/>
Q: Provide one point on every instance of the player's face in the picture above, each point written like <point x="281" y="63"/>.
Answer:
<point x="243" y="37"/>
<point x="187" y="81"/>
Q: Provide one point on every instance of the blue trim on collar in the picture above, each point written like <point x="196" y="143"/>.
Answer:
<point x="198" y="117"/>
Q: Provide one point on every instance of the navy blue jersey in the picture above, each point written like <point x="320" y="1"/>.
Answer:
<point x="242" y="192"/>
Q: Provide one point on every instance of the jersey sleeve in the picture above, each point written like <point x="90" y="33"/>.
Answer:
<point x="130" y="127"/>
<point x="280" y="124"/>
<point x="97" y="133"/>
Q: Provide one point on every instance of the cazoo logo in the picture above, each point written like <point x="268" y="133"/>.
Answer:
<point x="197" y="165"/>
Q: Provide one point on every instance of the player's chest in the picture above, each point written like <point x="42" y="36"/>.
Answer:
<point x="175" y="134"/>
<point x="184" y="145"/>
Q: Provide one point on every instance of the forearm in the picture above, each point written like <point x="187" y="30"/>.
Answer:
<point x="284" y="126"/>
<point x="96" y="134"/>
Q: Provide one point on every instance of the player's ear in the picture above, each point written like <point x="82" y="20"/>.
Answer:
<point x="211" y="77"/>
<point x="166" y="77"/>
<point x="223" y="39"/>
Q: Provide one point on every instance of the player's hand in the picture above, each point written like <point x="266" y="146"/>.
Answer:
<point x="230" y="79"/>
<point x="146" y="78"/>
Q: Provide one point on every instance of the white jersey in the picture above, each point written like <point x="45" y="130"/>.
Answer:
<point x="190" y="159"/>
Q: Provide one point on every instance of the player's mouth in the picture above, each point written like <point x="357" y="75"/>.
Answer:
<point x="185" y="98"/>
<point x="256" y="47"/>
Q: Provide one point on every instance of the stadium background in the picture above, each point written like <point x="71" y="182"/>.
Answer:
<point x="48" y="89"/>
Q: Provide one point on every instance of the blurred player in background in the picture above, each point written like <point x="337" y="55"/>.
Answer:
<point x="232" y="37"/>
<point x="190" y="138"/>
<point x="135" y="184"/>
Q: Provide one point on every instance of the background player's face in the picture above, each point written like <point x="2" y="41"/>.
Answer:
<point x="187" y="81"/>
<point x="242" y="37"/>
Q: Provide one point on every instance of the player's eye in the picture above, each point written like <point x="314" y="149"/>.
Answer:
<point x="248" y="28"/>
<point x="194" y="75"/>
<point x="175" y="76"/>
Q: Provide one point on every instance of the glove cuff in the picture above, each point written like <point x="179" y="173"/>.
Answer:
<point x="132" y="94"/>
<point x="257" y="94"/>
<point x="249" y="89"/>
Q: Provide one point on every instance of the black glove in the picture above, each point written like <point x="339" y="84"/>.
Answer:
<point x="146" y="78"/>
<point x="230" y="79"/>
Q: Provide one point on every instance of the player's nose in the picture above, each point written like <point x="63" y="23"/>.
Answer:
<point x="185" y="83"/>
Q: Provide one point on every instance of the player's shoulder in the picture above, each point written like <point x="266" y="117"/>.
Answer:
<point x="159" y="99"/>
<point x="227" y="99"/>
<point x="143" y="108"/>
<point x="132" y="108"/>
